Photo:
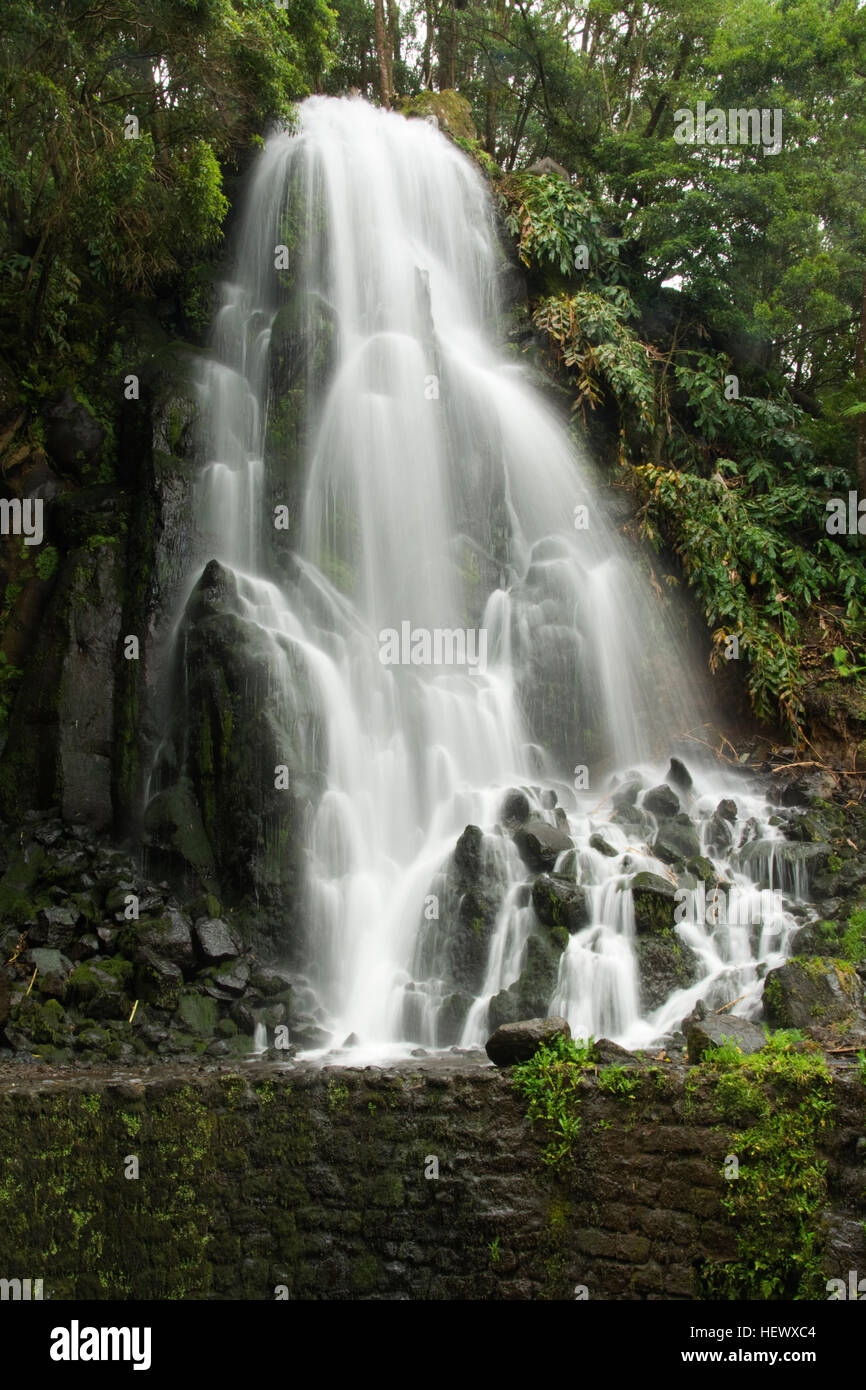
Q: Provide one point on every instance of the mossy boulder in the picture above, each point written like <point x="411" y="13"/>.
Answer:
<point x="705" y="1030"/>
<point x="52" y="969"/>
<point x="662" y="802"/>
<point x="518" y="1041"/>
<point x="169" y="936"/>
<point x="815" y="993"/>
<point x="158" y="981"/>
<point x="102" y="986"/>
<point x="654" y="902"/>
<point x="540" y="845"/>
<point x="198" y="1014"/>
<point x="470" y="900"/>
<point x="452" y="111"/>
<point x="35" y="1021"/>
<point x="560" y="903"/>
<point x="677" y="842"/>
<point x="665" y="963"/>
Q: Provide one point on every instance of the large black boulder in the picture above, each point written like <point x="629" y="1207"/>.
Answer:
<point x="517" y="1042"/>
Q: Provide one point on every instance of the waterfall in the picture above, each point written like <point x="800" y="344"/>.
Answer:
<point x="413" y="529"/>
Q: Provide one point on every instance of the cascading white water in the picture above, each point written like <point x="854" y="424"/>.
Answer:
<point x="439" y="497"/>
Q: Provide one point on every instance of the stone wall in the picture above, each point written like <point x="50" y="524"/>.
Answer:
<point x="304" y="1182"/>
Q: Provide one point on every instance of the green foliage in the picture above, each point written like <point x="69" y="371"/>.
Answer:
<point x="750" y="536"/>
<point x="85" y="208"/>
<point x="550" y="1082"/>
<point x="47" y="561"/>
<point x="852" y="947"/>
<point x="337" y="1096"/>
<point x="777" y="1102"/>
<point x="617" y="1081"/>
<point x="593" y="340"/>
<point x="842" y="663"/>
<point x="554" y="220"/>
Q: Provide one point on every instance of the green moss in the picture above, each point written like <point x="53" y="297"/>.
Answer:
<point x="47" y="561"/>
<point x="337" y="1096"/>
<point x="852" y="947"/>
<point x="777" y="1103"/>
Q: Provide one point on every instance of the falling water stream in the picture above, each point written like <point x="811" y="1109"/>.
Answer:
<point x="441" y="495"/>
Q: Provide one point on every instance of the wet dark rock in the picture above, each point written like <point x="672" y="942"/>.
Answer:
<point x="5" y="994"/>
<point x="606" y="1053"/>
<point x="52" y="968"/>
<point x="170" y="936"/>
<point x="236" y="735"/>
<point x="720" y="836"/>
<point x="635" y="822"/>
<point x="703" y="1030"/>
<point x="517" y="1042"/>
<point x="560" y="903"/>
<point x="215" y="939"/>
<point x="452" y="1017"/>
<point x="101" y="987"/>
<point x="233" y="976"/>
<point x="726" y="810"/>
<point x="50" y="834"/>
<point x="158" y="981"/>
<point x="269" y="980"/>
<point x="662" y="801"/>
<point x="601" y="845"/>
<point x="654" y="902"/>
<point x="530" y="993"/>
<point x="57" y="926"/>
<point x="73" y="436"/>
<point x="679" y="776"/>
<point x="540" y="845"/>
<point x="677" y="842"/>
<point x="802" y="787"/>
<point x="703" y="869"/>
<point x="242" y="1015"/>
<point x="459" y="943"/>
<point x="515" y="809"/>
<point x="627" y="794"/>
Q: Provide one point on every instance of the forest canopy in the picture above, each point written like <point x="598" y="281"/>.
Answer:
<point x="704" y="298"/>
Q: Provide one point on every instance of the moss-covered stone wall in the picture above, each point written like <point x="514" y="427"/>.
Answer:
<point x="298" y="1182"/>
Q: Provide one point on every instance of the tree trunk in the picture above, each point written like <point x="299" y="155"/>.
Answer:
<point x="382" y="52"/>
<point x="860" y="379"/>
<point x="452" y="66"/>
<point x="393" y="42"/>
<point x="427" y="52"/>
